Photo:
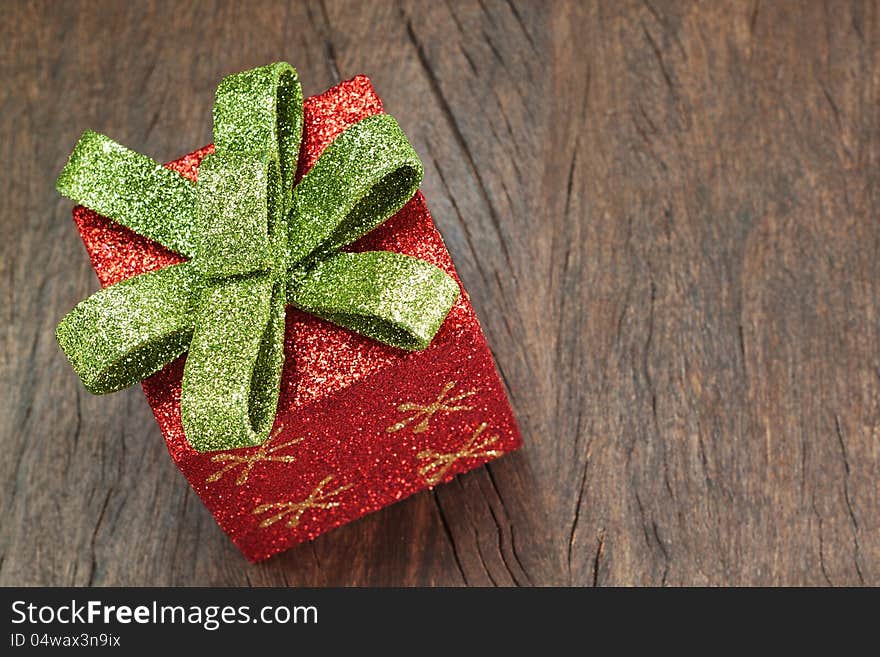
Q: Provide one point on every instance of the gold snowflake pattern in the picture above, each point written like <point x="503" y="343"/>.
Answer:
<point x="438" y="464"/>
<point x="293" y="511"/>
<point x="265" y="453"/>
<point x="424" y="412"/>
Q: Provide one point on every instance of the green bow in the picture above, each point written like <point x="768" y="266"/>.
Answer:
<point x="255" y="244"/>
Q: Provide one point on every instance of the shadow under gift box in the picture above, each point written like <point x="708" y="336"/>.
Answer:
<point x="360" y="425"/>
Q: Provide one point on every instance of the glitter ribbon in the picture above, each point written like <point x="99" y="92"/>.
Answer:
<point x="256" y="243"/>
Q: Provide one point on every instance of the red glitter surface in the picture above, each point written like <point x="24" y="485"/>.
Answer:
<point x="343" y="443"/>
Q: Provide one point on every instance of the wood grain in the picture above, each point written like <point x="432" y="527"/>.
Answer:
<point x="666" y="215"/>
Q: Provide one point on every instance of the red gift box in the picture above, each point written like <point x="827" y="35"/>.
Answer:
<point x="360" y="425"/>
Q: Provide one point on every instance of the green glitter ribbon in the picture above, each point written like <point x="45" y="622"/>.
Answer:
<point x="255" y="244"/>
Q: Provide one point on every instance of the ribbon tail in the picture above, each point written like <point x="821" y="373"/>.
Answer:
<point x="132" y="190"/>
<point x="391" y="297"/>
<point x="128" y="331"/>
<point x="232" y="376"/>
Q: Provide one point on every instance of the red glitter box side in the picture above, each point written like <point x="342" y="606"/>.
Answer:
<point x="360" y="425"/>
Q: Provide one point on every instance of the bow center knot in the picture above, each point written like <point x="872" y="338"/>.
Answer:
<point x="242" y="215"/>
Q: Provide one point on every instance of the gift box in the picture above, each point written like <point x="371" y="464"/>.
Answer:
<point x="359" y="424"/>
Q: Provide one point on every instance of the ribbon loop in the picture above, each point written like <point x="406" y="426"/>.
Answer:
<point x="361" y="179"/>
<point x="390" y="297"/>
<point x="134" y="190"/>
<point x="262" y="110"/>
<point x="128" y="331"/>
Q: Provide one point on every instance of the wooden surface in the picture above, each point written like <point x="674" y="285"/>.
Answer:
<point x="666" y="215"/>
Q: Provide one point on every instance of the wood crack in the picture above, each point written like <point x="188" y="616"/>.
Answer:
<point x="448" y="531"/>
<point x="434" y="84"/>
<point x="522" y="25"/>
<point x="822" y="567"/>
<point x="464" y="224"/>
<point x="93" y="539"/>
<point x="848" y="499"/>
<point x="509" y="525"/>
<point x="597" y="558"/>
<point x="577" y="515"/>
<point x="659" y="56"/>
<point x="480" y="555"/>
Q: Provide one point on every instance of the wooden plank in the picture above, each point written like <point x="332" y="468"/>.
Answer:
<point x="665" y="214"/>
